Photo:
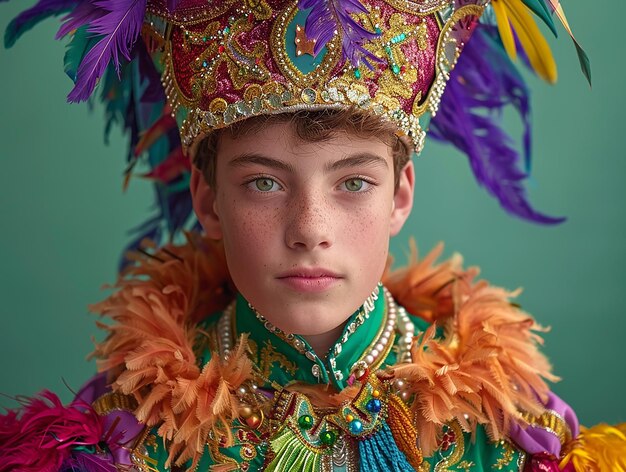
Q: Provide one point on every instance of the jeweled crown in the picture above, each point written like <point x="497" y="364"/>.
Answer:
<point x="227" y="61"/>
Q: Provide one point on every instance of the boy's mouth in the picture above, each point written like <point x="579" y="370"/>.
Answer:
<point x="309" y="279"/>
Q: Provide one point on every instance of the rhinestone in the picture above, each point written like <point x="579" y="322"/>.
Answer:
<point x="308" y="96"/>
<point x="315" y="370"/>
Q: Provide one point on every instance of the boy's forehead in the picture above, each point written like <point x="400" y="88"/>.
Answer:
<point x="281" y="140"/>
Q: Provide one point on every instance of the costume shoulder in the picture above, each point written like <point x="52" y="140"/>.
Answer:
<point x="478" y="369"/>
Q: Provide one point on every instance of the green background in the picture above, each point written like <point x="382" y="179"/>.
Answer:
<point x="65" y="217"/>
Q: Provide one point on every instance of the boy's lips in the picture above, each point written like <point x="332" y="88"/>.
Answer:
<point x="309" y="279"/>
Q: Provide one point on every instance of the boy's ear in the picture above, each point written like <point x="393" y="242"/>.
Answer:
<point x="403" y="199"/>
<point x="203" y="198"/>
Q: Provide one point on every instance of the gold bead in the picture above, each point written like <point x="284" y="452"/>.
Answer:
<point x="245" y="411"/>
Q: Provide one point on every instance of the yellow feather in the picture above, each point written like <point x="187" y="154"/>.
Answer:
<point x="504" y="28"/>
<point x="532" y="40"/>
<point x="598" y="449"/>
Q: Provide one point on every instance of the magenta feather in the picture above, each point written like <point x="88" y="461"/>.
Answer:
<point x="42" y="436"/>
<point x="328" y="17"/>
<point x="119" y="23"/>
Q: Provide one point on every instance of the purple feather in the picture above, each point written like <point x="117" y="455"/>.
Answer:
<point x="327" y="17"/>
<point x="482" y="84"/>
<point x="29" y="18"/>
<point x="82" y="15"/>
<point x="119" y="23"/>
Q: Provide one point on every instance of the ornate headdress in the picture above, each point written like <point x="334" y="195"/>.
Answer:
<point x="205" y="64"/>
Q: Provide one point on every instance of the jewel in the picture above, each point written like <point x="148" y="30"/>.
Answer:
<point x="245" y="411"/>
<point x="376" y="394"/>
<point x="305" y="421"/>
<point x="357" y="73"/>
<point x="253" y="421"/>
<point x="328" y="438"/>
<point x="395" y="69"/>
<point x="221" y="49"/>
<point x="373" y="406"/>
<point x="356" y="426"/>
<point x="349" y="418"/>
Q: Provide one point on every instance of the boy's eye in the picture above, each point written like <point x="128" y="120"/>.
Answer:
<point x="354" y="185"/>
<point x="265" y="184"/>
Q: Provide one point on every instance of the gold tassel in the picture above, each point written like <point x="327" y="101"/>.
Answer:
<point x="598" y="449"/>
<point x="403" y="430"/>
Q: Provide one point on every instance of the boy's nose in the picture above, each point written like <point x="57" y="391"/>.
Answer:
<point x="309" y="223"/>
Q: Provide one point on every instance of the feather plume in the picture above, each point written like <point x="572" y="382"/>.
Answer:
<point x="29" y="18"/>
<point x="585" y="64"/>
<point x="44" y="435"/>
<point x="597" y="449"/>
<point x="118" y="22"/>
<point x="328" y="17"/>
<point x="532" y="40"/>
<point x="539" y="8"/>
<point x="483" y="83"/>
<point x="160" y="302"/>
<point x="487" y="366"/>
<point x="81" y="44"/>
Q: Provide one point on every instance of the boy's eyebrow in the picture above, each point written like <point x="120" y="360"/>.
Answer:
<point x="356" y="160"/>
<point x="250" y="158"/>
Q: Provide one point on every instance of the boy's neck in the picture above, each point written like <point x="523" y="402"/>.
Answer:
<point x="321" y="343"/>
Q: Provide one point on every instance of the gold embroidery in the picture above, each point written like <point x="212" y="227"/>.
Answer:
<point x="244" y="65"/>
<point x="552" y="422"/>
<point x="420" y="7"/>
<point x="457" y="446"/>
<point x="269" y="355"/>
<point x="259" y="8"/>
<point x="508" y="453"/>
<point x="109" y="402"/>
<point x="466" y="465"/>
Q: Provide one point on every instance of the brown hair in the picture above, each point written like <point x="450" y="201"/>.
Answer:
<point x="312" y="126"/>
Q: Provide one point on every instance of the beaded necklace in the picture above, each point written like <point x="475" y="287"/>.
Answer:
<point x="395" y="320"/>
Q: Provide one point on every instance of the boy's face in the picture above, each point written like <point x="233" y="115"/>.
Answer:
<point x="305" y="225"/>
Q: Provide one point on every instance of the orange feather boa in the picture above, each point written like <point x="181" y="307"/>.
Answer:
<point x="485" y="370"/>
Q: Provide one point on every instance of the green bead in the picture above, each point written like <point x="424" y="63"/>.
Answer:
<point x="357" y="73"/>
<point x="395" y="69"/>
<point x="328" y="438"/>
<point x="305" y="421"/>
<point x="378" y="30"/>
<point x="226" y="30"/>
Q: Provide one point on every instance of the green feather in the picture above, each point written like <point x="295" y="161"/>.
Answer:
<point x="81" y="43"/>
<point x="540" y="9"/>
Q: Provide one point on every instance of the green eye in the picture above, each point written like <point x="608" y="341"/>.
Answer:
<point x="264" y="184"/>
<point x="354" y="185"/>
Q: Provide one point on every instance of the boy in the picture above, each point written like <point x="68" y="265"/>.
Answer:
<point x="307" y="361"/>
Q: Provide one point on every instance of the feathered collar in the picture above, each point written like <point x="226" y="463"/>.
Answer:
<point x="484" y="370"/>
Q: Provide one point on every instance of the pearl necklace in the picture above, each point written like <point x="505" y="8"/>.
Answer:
<point x="396" y="320"/>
